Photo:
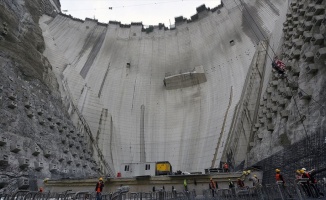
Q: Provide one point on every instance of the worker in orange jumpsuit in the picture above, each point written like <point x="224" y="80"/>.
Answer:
<point x="99" y="188"/>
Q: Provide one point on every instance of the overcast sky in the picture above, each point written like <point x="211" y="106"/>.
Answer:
<point x="150" y="12"/>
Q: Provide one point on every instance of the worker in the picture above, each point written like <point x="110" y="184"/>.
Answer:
<point x="298" y="175"/>
<point x="240" y="183"/>
<point x="255" y="181"/>
<point x="305" y="185"/>
<point x="226" y="167"/>
<point x="278" y="65"/>
<point x="99" y="188"/>
<point x="313" y="181"/>
<point x="185" y="185"/>
<point x="231" y="184"/>
<point x="280" y="180"/>
<point x="212" y="186"/>
<point x="279" y="177"/>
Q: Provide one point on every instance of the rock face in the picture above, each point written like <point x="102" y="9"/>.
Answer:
<point x="37" y="137"/>
<point x="290" y="123"/>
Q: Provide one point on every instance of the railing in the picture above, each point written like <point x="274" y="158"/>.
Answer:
<point x="299" y="190"/>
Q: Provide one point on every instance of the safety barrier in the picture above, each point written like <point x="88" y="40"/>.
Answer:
<point x="298" y="190"/>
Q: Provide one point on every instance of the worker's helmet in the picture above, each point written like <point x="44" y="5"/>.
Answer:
<point x="100" y="179"/>
<point x="277" y="170"/>
<point x="298" y="171"/>
<point x="238" y="178"/>
<point x="255" y="175"/>
<point x="304" y="169"/>
<point x="211" y="179"/>
<point x="249" y="171"/>
<point x="229" y="179"/>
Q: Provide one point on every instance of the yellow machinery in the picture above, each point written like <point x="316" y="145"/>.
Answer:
<point x="163" y="168"/>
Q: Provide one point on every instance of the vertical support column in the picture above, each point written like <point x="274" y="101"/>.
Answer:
<point x="142" y="135"/>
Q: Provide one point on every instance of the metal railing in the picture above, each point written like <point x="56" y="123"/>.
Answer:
<point x="299" y="190"/>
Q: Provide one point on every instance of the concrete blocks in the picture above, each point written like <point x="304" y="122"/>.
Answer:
<point x="23" y="183"/>
<point x="4" y="159"/>
<point x="12" y="105"/>
<point x="52" y="125"/>
<point x="306" y="36"/>
<point x="304" y="95"/>
<point x="4" y="180"/>
<point x="285" y="113"/>
<point x="308" y="16"/>
<point x="317" y="20"/>
<point x="36" y="151"/>
<point x="308" y="57"/>
<point x="270" y="127"/>
<point x="317" y="39"/>
<point x="41" y="121"/>
<point x="61" y="157"/>
<point x="40" y="111"/>
<point x="53" y="167"/>
<point x="295" y="54"/>
<point x="65" y="150"/>
<point x="294" y="85"/>
<point x="3" y="140"/>
<point x="69" y="160"/>
<point x="274" y="83"/>
<point x="311" y="69"/>
<point x="318" y="9"/>
<point x="23" y="162"/>
<point x="295" y="70"/>
<point x="15" y="147"/>
<point x="12" y="96"/>
<point x="38" y="165"/>
<point x="321" y="54"/>
<point x="71" y="143"/>
<point x="298" y="44"/>
<point x="307" y="25"/>
<point x="281" y="103"/>
<point x="47" y="153"/>
<point x="28" y="104"/>
<point x="30" y="114"/>
<point x="274" y="109"/>
<point x="260" y="136"/>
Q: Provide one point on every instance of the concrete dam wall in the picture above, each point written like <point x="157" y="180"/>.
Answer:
<point x="110" y="71"/>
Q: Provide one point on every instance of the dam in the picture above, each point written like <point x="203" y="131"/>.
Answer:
<point x="80" y="99"/>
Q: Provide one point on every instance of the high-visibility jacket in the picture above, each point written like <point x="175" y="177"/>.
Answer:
<point x="279" y="177"/>
<point x="99" y="186"/>
<point x="212" y="185"/>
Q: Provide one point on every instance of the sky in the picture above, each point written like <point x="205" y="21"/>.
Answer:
<point x="149" y="12"/>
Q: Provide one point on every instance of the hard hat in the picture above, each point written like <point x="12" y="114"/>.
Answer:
<point x="277" y="170"/>
<point x="229" y="179"/>
<point x="304" y="169"/>
<point x="100" y="179"/>
<point x="255" y="175"/>
<point x="298" y="171"/>
<point x="210" y="179"/>
<point x="249" y="171"/>
<point x="238" y="178"/>
<point x="301" y="171"/>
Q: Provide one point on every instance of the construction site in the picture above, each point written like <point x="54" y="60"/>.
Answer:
<point x="228" y="104"/>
